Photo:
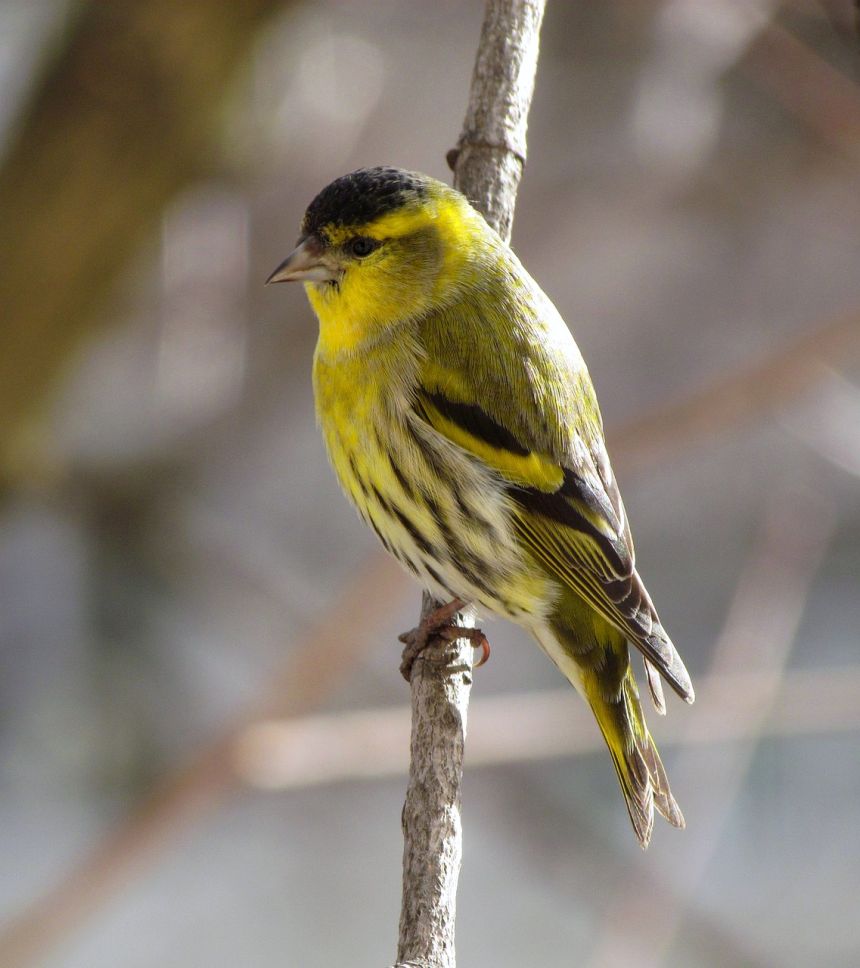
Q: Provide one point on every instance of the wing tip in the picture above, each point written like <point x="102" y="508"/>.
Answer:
<point x="669" y="664"/>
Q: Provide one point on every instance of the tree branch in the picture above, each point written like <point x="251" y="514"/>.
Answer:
<point x="488" y="164"/>
<point x="491" y="151"/>
<point x="125" y="117"/>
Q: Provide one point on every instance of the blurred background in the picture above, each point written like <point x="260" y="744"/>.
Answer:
<point x="203" y="732"/>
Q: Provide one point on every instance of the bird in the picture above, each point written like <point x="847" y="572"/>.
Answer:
<point x="461" y="422"/>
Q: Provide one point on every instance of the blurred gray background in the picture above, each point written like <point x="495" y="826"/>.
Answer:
<point x="181" y="580"/>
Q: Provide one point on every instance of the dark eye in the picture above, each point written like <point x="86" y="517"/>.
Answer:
<point x="362" y="246"/>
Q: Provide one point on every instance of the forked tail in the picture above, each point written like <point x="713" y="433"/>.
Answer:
<point x="600" y="669"/>
<point x="636" y="760"/>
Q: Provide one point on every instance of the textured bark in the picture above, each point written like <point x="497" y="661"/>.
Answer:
<point x="488" y="163"/>
<point x="491" y="152"/>
<point x="432" y="831"/>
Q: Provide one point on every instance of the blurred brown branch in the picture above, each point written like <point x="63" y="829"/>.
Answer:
<point x="316" y="666"/>
<point x="522" y="727"/>
<point x="125" y="116"/>
<point x="822" y="97"/>
<point x="738" y="397"/>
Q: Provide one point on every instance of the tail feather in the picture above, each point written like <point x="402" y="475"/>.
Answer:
<point x="663" y="799"/>
<point x="601" y="671"/>
<point x="640" y="771"/>
<point x="655" y="687"/>
<point x="638" y="794"/>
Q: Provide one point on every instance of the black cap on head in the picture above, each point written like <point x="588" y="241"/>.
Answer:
<point x="362" y="196"/>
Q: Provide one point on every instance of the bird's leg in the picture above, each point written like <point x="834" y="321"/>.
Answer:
<point x="436" y="625"/>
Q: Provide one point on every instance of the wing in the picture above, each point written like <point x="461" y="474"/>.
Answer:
<point x="568" y="509"/>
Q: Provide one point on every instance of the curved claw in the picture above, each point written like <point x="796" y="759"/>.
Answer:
<point x="477" y="638"/>
<point x="484" y="646"/>
<point x="435" y="625"/>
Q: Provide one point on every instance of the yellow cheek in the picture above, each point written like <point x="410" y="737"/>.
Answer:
<point x="367" y="302"/>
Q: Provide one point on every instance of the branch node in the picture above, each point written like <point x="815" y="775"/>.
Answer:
<point x="470" y="143"/>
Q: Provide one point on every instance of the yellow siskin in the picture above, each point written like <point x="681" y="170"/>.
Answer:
<point x="462" y="423"/>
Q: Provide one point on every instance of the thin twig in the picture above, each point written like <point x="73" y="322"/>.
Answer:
<point x="491" y="151"/>
<point x="488" y="163"/>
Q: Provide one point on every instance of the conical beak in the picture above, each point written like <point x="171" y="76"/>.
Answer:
<point x="305" y="263"/>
